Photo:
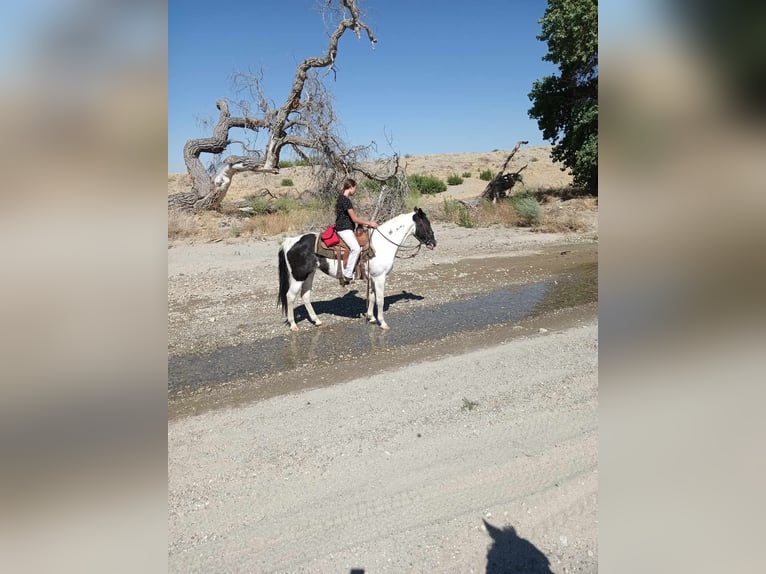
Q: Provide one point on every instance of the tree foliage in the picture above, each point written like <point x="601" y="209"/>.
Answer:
<point x="566" y="105"/>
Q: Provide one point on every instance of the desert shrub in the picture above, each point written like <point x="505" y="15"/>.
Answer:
<point x="450" y="207"/>
<point x="488" y="213"/>
<point x="285" y="204"/>
<point x="426" y="184"/>
<point x="528" y="208"/>
<point x="454" y="180"/>
<point x="486" y="175"/>
<point x="286" y="163"/>
<point x="456" y="212"/>
<point x="413" y="200"/>
<point x="258" y="205"/>
<point x="464" y="217"/>
<point x="466" y="174"/>
<point x="390" y="197"/>
<point x="313" y="204"/>
<point x="287" y="182"/>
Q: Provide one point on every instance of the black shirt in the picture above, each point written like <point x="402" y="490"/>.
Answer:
<point x="342" y="218"/>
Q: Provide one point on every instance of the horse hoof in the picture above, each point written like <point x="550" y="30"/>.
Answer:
<point x="385" y="327"/>
<point x="319" y="324"/>
<point x="294" y="328"/>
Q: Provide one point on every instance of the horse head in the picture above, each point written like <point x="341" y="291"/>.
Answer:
<point x="423" y="231"/>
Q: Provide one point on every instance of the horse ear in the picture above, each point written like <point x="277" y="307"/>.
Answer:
<point x="497" y="533"/>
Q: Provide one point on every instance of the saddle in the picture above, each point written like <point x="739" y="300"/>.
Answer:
<point x="340" y="251"/>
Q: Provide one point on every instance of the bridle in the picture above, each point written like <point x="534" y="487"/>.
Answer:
<point x="398" y="246"/>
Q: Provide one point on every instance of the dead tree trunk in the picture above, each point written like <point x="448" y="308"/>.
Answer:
<point x="207" y="192"/>
<point x="503" y="182"/>
<point x="302" y="122"/>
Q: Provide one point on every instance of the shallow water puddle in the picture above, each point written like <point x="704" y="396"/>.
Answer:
<point x="318" y="347"/>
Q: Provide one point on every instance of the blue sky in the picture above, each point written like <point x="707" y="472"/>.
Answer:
<point x="444" y="77"/>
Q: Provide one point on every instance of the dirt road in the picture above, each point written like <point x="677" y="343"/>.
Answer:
<point x="476" y="452"/>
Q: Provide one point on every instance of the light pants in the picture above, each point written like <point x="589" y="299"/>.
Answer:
<point x="354" y="250"/>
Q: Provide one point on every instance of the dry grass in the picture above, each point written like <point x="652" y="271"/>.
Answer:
<point x="230" y="223"/>
<point x="577" y="215"/>
<point x="484" y="214"/>
<point x="184" y="225"/>
<point x="293" y="222"/>
<point x="561" y="212"/>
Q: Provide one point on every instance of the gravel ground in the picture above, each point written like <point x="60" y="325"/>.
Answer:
<point x="225" y="293"/>
<point x="482" y="458"/>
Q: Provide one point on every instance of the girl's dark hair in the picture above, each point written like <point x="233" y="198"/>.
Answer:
<point x="348" y="184"/>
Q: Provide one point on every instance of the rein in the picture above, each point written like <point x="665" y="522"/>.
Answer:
<point x="402" y="246"/>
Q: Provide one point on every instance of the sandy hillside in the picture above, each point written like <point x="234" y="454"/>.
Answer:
<point x="541" y="173"/>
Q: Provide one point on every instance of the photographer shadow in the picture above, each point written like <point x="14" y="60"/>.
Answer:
<point x="510" y="553"/>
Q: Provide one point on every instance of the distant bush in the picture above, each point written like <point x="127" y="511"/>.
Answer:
<point x="528" y="208"/>
<point x="454" y="180"/>
<point x="413" y="200"/>
<point x="464" y="217"/>
<point x="285" y="204"/>
<point x="426" y="184"/>
<point x="450" y="207"/>
<point x="289" y="163"/>
<point x="486" y="175"/>
<point x="466" y="174"/>
<point x="456" y="212"/>
<point x="286" y="182"/>
<point x="258" y="205"/>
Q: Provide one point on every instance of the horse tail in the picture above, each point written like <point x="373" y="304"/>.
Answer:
<point x="284" y="281"/>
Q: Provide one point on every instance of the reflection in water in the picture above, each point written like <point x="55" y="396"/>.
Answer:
<point x="318" y="347"/>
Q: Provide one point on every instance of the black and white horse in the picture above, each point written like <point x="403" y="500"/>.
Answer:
<point x="298" y="263"/>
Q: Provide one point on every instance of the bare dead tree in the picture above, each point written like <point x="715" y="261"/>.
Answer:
<point x="503" y="182"/>
<point x="305" y="121"/>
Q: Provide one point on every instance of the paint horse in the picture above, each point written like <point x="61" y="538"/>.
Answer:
<point x="298" y="263"/>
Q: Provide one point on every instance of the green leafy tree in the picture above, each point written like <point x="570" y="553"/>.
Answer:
<point x="566" y="105"/>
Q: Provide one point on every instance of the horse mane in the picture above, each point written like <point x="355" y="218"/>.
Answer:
<point x="394" y="220"/>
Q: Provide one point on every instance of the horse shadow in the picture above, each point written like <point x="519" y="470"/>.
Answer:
<point x="508" y="554"/>
<point x="511" y="553"/>
<point x="352" y="304"/>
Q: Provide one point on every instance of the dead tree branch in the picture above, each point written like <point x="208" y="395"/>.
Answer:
<point x="306" y="120"/>
<point x="503" y="182"/>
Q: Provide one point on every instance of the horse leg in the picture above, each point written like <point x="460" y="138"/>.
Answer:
<point x="371" y="302"/>
<point x="379" y="283"/>
<point x="292" y="295"/>
<point x="306" y="294"/>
